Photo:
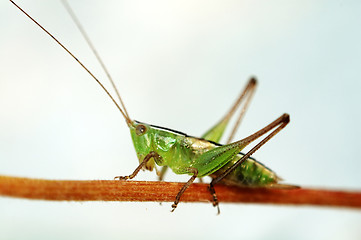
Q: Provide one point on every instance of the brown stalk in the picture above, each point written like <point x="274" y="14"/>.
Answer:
<point x="142" y="191"/>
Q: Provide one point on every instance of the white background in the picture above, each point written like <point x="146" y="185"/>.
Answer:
<point x="180" y="64"/>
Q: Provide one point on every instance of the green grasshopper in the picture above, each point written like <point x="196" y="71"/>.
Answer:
<point x="203" y="156"/>
<point x="194" y="156"/>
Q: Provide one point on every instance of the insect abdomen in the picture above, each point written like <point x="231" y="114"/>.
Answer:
<point x="249" y="173"/>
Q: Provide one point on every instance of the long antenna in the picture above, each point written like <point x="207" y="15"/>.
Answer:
<point x="76" y="59"/>
<point x="95" y="52"/>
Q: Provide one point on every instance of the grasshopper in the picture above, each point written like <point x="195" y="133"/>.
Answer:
<point x="195" y="156"/>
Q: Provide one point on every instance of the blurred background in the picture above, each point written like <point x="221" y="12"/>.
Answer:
<point x="180" y="64"/>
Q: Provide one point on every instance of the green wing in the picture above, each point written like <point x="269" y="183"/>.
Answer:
<point x="215" y="133"/>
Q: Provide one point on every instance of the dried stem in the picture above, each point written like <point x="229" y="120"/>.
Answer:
<point x="110" y="190"/>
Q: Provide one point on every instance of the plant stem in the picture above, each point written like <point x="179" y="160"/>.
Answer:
<point x="111" y="190"/>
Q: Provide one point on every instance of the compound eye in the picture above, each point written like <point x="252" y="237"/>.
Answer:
<point x="140" y="130"/>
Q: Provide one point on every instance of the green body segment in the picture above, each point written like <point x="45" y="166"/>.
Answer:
<point x="249" y="173"/>
<point x="181" y="153"/>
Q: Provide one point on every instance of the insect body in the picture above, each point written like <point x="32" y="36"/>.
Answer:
<point x="181" y="153"/>
<point x="201" y="157"/>
<point x="197" y="157"/>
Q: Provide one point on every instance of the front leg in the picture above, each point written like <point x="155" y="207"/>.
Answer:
<point x="141" y="165"/>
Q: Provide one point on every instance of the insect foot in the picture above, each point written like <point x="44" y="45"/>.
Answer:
<point x="121" y="178"/>
<point x="174" y="206"/>
<point x="215" y="199"/>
